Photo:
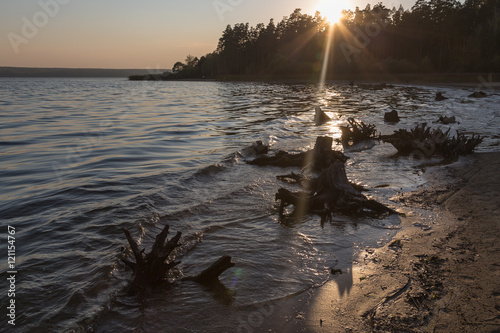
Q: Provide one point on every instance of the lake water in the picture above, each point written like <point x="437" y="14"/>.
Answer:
<point x="83" y="158"/>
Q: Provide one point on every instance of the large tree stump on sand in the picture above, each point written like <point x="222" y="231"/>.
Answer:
<point x="331" y="192"/>
<point x="151" y="269"/>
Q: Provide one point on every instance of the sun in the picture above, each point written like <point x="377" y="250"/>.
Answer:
<point x="332" y="9"/>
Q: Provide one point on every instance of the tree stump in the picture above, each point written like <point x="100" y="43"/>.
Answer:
<point x="357" y="131"/>
<point x="391" y="117"/>
<point x="447" y="120"/>
<point x="478" y="94"/>
<point x="331" y="192"/>
<point x="424" y="141"/>
<point x="440" y="97"/>
<point x="322" y="154"/>
<point x="151" y="269"/>
<point x="320" y="116"/>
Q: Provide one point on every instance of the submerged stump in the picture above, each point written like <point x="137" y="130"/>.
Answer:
<point x="152" y="268"/>
<point x="447" y="120"/>
<point x="440" y="97"/>
<point x="391" y="117"/>
<point x="478" y="94"/>
<point x="330" y="192"/>
<point x="357" y="131"/>
<point x="320" y="117"/>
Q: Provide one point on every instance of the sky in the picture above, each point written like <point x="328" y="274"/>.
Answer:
<point x="132" y="34"/>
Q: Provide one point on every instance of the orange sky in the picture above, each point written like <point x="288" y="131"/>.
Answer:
<point x="129" y="33"/>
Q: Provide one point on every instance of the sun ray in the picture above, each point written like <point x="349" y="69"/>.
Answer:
<point x="326" y="57"/>
<point x="333" y="12"/>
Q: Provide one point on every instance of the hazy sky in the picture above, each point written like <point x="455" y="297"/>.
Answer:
<point x="131" y="33"/>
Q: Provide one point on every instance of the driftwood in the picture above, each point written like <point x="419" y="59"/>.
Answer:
<point x="209" y="279"/>
<point x="357" y="131"/>
<point x="319" y="157"/>
<point x="331" y="192"/>
<point x="423" y="140"/>
<point x="152" y="268"/>
<point x="293" y="178"/>
<point x="211" y="274"/>
<point x="257" y="148"/>
<point x="281" y="159"/>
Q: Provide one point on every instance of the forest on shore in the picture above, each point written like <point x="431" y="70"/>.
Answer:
<point x="434" y="36"/>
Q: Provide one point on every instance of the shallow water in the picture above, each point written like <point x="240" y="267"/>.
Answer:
<point x="83" y="158"/>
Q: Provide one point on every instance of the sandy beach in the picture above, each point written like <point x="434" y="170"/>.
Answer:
<point x="441" y="277"/>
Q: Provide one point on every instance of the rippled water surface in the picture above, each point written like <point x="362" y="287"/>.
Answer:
<point x="83" y="158"/>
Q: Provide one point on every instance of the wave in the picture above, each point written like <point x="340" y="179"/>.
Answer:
<point x="179" y="161"/>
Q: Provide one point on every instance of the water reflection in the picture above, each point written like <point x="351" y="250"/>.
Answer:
<point x="141" y="155"/>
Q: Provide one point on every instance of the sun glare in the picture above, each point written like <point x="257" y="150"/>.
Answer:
<point x="332" y="9"/>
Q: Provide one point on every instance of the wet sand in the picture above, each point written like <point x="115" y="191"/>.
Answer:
<point x="438" y="278"/>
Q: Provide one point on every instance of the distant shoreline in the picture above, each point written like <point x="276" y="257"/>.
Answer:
<point x="454" y="79"/>
<point x="73" y="72"/>
<point x="414" y="78"/>
<point x="466" y="80"/>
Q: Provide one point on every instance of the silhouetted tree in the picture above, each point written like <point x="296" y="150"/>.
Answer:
<point x="178" y="66"/>
<point x="434" y="35"/>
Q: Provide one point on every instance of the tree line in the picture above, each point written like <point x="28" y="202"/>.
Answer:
<point x="433" y="36"/>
